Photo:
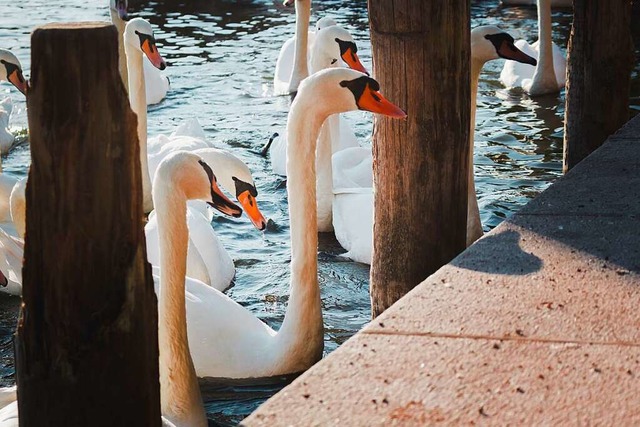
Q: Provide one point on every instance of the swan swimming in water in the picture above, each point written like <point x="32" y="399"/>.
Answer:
<point x="549" y="76"/>
<point x="352" y="168"/>
<point x="156" y="83"/>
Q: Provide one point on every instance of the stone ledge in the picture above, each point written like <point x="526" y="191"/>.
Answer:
<point x="386" y="380"/>
<point x="535" y="324"/>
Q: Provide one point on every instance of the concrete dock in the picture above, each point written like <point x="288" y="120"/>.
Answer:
<point x="538" y="323"/>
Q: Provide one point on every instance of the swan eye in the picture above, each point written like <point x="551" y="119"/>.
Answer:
<point x="333" y="61"/>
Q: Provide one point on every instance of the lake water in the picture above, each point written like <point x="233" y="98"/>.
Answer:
<point x="221" y="57"/>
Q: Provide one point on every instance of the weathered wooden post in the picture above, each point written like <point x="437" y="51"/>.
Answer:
<point x="599" y="75"/>
<point x="87" y="343"/>
<point x="421" y="58"/>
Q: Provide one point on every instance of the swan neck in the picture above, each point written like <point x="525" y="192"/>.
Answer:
<point x="300" y="67"/>
<point x="138" y="102"/>
<point x="476" y="69"/>
<point x="474" y="225"/>
<point x="324" y="179"/>
<point x="302" y="327"/>
<point x="544" y="69"/>
<point x="180" y="395"/>
<point x="122" y="57"/>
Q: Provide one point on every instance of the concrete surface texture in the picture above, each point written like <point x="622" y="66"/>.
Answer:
<point x="536" y="324"/>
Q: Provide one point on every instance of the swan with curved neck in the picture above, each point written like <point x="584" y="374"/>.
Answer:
<point x="227" y="340"/>
<point x="182" y="176"/>
<point x="139" y="41"/>
<point x="207" y="259"/>
<point x="549" y="75"/>
<point x="156" y="83"/>
<point x="353" y="180"/>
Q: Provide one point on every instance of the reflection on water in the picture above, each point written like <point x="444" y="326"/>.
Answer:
<point x="221" y="56"/>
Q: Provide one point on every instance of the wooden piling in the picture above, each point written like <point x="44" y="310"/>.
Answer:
<point x="421" y="57"/>
<point x="87" y="343"/>
<point x="600" y="61"/>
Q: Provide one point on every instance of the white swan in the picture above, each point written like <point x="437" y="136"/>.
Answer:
<point x="12" y="241"/>
<point x="227" y="340"/>
<point x="157" y="84"/>
<point x="549" y="76"/>
<point x="293" y="63"/>
<point x="208" y="260"/>
<point x="139" y="42"/>
<point x="11" y="71"/>
<point x="181" y="176"/>
<point x="353" y="175"/>
<point x="554" y="3"/>
<point x="332" y="45"/>
<point x="206" y="253"/>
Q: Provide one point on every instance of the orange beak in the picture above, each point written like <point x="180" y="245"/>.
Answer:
<point x="149" y="48"/>
<point x="222" y="203"/>
<point x="352" y="60"/>
<point x="250" y="206"/>
<point x="18" y="81"/>
<point x="373" y="101"/>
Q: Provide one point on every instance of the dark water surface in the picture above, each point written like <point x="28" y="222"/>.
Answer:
<point x="221" y="57"/>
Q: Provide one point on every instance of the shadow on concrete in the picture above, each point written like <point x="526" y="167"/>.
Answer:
<point x="499" y="254"/>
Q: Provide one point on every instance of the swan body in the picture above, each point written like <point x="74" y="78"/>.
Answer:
<point x="156" y="83"/>
<point x="549" y="76"/>
<point x="353" y="174"/>
<point x="6" y="137"/>
<point x="12" y="242"/>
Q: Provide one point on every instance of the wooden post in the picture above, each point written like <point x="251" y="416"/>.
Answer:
<point x="599" y="75"/>
<point x="421" y="56"/>
<point x="87" y="342"/>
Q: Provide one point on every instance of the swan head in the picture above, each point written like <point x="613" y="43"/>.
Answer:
<point x="188" y="173"/>
<point x="235" y="177"/>
<point x="338" y="90"/>
<point x="490" y="42"/>
<point x="120" y="8"/>
<point x="11" y="71"/>
<point x="325" y="22"/>
<point x="335" y="43"/>
<point x="139" y="35"/>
